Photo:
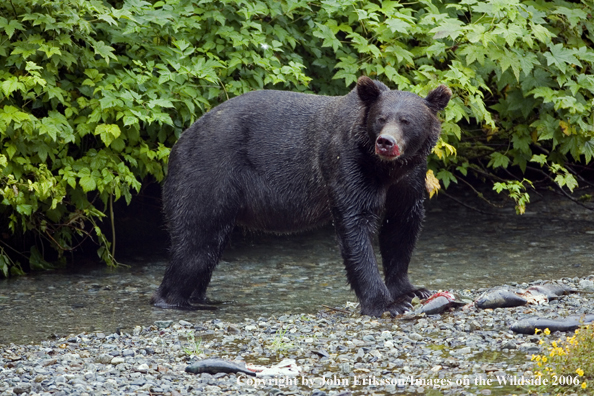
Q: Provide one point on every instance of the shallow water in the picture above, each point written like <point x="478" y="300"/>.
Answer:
<point x="263" y="275"/>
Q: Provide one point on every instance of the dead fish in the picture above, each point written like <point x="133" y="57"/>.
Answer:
<point x="439" y="302"/>
<point x="213" y="366"/>
<point x="500" y="298"/>
<point x="551" y="290"/>
<point x="570" y="323"/>
<point x="435" y="306"/>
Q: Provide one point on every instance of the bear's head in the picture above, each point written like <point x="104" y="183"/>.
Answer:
<point x="401" y="124"/>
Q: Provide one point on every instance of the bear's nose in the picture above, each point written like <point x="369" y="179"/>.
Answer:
<point x="386" y="141"/>
<point x="387" y="147"/>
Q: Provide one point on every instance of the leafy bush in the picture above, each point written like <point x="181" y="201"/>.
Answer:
<point x="94" y="93"/>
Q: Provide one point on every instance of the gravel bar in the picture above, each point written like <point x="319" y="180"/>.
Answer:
<point x="464" y="352"/>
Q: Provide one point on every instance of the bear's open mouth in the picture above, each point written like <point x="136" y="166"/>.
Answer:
<point x="389" y="153"/>
<point x="386" y="146"/>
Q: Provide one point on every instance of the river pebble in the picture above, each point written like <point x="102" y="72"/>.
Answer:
<point x="337" y="353"/>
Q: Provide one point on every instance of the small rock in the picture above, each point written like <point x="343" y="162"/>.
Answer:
<point x="163" y="324"/>
<point x="415" y="337"/>
<point x="464" y="351"/>
<point x="104" y="359"/>
<point x="128" y="353"/>
<point x="143" y="368"/>
<point x="529" y="348"/>
<point x="587" y="285"/>
<point x="21" y="389"/>
<point x="117" y="360"/>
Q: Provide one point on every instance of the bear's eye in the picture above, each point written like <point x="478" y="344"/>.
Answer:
<point x="381" y="120"/>
<point x="404" y="121"/>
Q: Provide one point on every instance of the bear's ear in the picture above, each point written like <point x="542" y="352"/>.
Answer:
<point x="438" y="99"/>
<point x="367" y="90"/>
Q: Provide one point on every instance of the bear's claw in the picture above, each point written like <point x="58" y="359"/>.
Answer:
<point x="184" y="305"/>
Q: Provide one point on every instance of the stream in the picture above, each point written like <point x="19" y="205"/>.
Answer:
<point x="262" y="275"/>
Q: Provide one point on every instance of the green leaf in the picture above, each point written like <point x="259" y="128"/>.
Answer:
<point x="104" y="50"/>
<point x="446" y="177"/>
<point x="541" y="33"/>
<point x="11" y="26"/>
<point x="161" y="102"/>
<point x="36" y="260"/>
<point x="566" y="180"/>
<point x="540" y="159"/>
<point x="4" y="264"/>
<point x="498" y="160"/>
<point x="25" y="209"/>
<point x="108" y="132"/>
<point x="10" y="85"/>
<point x="398" y="25"/>
<point x="574" y="16"/>
<point x="452" y="28"/>
<point x="511" y="60"/>
<point x="325" y="33"/>
<point x="87" y="183"/>
<point x="588" y="150"/>
<point x="522" y="143"/>
<point x="561" y="56"/>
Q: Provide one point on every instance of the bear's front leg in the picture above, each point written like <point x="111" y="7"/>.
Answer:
<point x="398" y="236"/>
<point x="354" y="231"/>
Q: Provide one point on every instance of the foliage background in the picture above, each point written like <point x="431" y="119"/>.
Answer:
<point x="94" y="93"/>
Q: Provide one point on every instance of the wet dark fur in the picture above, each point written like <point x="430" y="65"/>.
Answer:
<point x="284" y="162"/>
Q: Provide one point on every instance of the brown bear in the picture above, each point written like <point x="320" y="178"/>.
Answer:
<point x="284" y="162"/>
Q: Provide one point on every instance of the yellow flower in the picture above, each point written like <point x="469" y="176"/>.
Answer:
<point x="536" y="331"/>
<point x="554" y="344"/>
<point x="547" y="331"/>
<point x="584" y="385"/>
<point x="580" y="372"/>
<point x="544" y="359"/>
<point x="541" y="342"/>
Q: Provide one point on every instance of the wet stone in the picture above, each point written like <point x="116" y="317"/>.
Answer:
<point x="128" y="353"/>
<point x="117" y="360"/>
<point x="163" y="324"/>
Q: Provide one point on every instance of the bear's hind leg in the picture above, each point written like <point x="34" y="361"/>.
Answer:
<point x="196" y="251"/>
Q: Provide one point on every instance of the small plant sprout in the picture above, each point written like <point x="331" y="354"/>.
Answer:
<point x="280" y="342"/>
<point x="195" y="345"/>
